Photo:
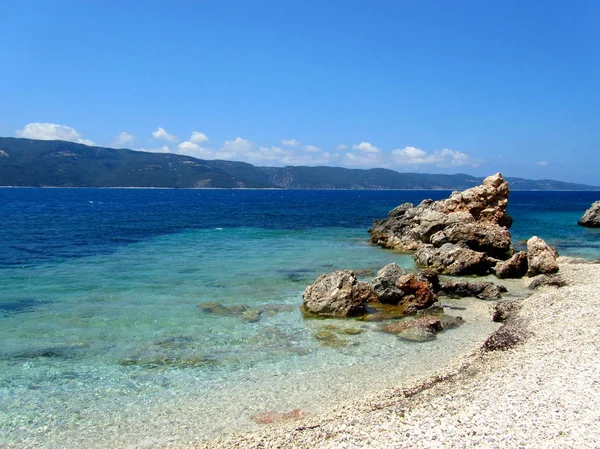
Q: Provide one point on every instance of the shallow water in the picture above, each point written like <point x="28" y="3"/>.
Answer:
<point x="102" y="339"/>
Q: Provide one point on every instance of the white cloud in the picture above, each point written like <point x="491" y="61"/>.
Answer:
<point x="51" y="131"/>
<point x="198" y="137"/>
<point x="366" y="147"/>
<point x="295" y="144"/>
<point x="238" y="146"/>
<point x="161" y="134"/>
<point x="441" y="158"/>
<point x="367" y="159"/>
<point x="542" y="163"/>
<point x="341" y="147"/>
<point x="291" y="143"/>
<point x="123" y="139"/>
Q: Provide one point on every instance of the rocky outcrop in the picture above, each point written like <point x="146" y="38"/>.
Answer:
<point x="337" y="294"/>
<point x="541" y="257"/>
<point x="591" y="218"/>
<point x="453" y="260"/>
<point x="384" y="284"/>
<point x="481" y="290"/>
<point x="416" y="294"/>
<point x="515" y="267"/>
<point x="475" y="218"/>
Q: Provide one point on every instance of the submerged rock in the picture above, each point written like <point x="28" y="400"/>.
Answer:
<point x="272" y="416"/>
<point x="541" y="257"/>
<point x="417" y="334"/>
<point x="591" y="218"/>
<point x="337" y="294"/>
<point x="453" y="260"/>
<point x="423" y="328"/>
<point x="475" y="217"/>
<point x="481" y="290"/>
<point x="245" y="313"/>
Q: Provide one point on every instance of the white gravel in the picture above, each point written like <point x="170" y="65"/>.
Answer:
<point x="543" y="393"/>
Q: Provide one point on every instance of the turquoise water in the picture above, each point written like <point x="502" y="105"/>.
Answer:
<point x="103" y="343"/>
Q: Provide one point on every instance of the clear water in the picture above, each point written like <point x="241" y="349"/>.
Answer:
<point x="102" y="342"/>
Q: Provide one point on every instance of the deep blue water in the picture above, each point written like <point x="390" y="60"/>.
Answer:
<point x="41" y="225"/>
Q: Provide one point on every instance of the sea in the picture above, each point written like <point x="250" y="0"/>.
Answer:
<point x="149" y="317"/>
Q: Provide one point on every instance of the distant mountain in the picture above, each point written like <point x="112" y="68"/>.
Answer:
<point x="55" y="163"/>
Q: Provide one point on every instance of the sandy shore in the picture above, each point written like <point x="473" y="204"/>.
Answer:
<point x="543" y="393"/>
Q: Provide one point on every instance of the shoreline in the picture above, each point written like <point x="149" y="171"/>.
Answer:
<point x="543" y="392"/>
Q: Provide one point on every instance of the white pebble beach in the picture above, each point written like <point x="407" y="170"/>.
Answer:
<point x="542" y="393"/>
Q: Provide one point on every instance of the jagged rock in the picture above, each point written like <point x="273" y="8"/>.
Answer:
<point x="416" y="294"/>
<point x="488" y="238"/>
<point x="431" y="277"/>
<point x="543" y="280"/>
<point x="476" y="217"/>
<point x="384" y="285"/>
<point x="591" y="218"/>
<point x="337" y="294"/>
<point x="453" y="260"/>
<point x="481" y="290"/>
<point x="515" y="267"/>
<point x="541" y="257"/>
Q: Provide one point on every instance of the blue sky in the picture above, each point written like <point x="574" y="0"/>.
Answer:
<point x="428" y="86"/>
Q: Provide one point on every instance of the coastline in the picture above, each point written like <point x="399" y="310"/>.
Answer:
<point x="544" y="392"/>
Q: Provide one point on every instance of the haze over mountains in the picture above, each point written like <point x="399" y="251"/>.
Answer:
<point x="55" y="163"/>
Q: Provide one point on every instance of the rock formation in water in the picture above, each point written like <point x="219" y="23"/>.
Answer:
<point x="476" y="216"/>
<point x="464" y="234"/>
<point x="541" y="257"/>
<point x="337" y="294"/>
<point x="591" y="218"/>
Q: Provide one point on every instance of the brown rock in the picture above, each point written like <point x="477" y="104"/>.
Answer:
<point x="337" y="294"/>
<point x="541" y="257"/>
<point x="476" y="217"/>
<point x="453" y="260"/>
<point x="417" y="293"/>
<point x="515" y="267"/>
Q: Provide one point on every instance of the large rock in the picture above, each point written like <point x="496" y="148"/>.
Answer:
<point x="481" y="290"/>
<point x="476" y="217"/>
<point x="515" y="267"/>
<point x="337" y="294"/>
<point x="541" y="257"/>
<point x="453" y="260"/>
<point x="416" y="294"/>
<point x="591" y="218"/>
<point x="384" y="284"/>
